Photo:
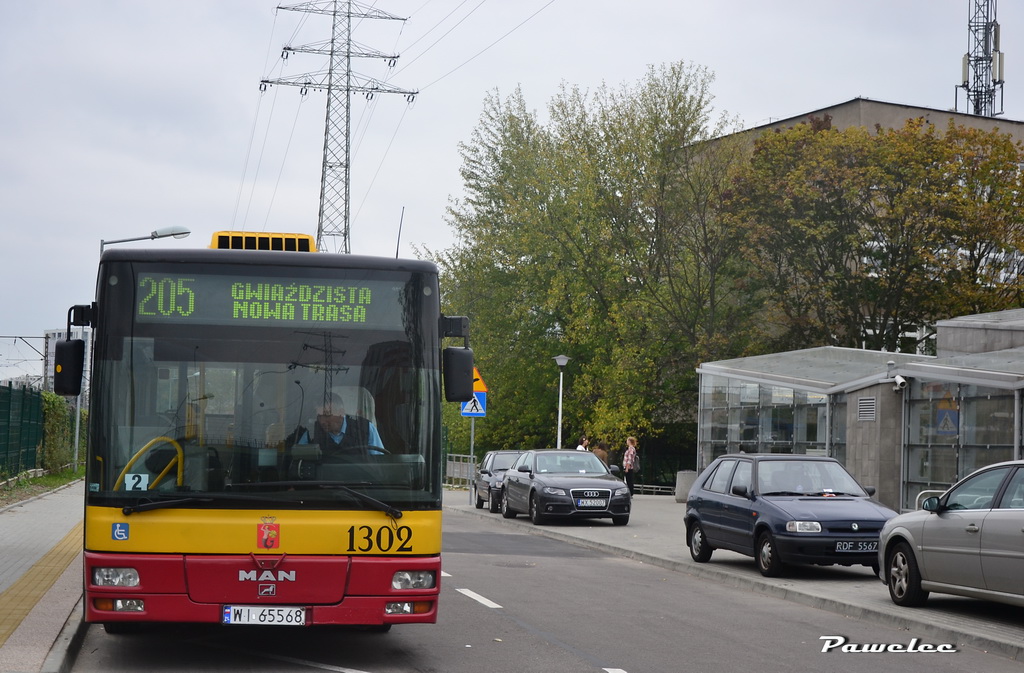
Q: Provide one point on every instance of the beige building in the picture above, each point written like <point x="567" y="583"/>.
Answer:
<point x="867" y="113"/>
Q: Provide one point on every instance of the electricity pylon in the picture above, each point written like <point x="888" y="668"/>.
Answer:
<point x="340" y="83"/>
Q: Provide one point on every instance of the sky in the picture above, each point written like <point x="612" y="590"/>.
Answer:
<point x="121" y="117"/>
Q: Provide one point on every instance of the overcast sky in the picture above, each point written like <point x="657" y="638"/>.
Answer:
<point x="119" y="117"/>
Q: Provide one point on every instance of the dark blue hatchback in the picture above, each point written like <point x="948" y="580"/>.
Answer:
<point x="783" y="509"/>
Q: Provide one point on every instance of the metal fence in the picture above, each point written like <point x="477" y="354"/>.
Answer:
<point x="21" y="429"/>
<point x="459" y="470"/>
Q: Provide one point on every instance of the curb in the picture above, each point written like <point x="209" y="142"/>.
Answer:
<point x="65" y="648"/>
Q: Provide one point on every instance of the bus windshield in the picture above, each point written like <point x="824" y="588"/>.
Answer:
<point x="237" y="385"/>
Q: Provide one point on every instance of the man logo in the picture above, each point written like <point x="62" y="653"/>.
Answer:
<point x="268" y="590"/>
<point x="266" y="576"/>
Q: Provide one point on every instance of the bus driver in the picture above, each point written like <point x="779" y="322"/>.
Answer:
<point x="338" y="433"/>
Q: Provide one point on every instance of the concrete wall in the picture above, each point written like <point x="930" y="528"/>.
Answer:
<point x="983" y="333"/>
<point x="873" y="453"/>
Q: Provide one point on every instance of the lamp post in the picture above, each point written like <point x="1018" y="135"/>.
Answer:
<point x="175" y="230"/>
<point x="561" y="361"/>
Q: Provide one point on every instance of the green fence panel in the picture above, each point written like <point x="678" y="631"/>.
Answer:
<point x="21" y="429"/>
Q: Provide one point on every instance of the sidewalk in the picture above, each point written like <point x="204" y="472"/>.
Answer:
<point x="656" y="535"/>
<point x="40" y="579"/>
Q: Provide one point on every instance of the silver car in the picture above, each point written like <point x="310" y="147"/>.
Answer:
<point x="969" y="541"/>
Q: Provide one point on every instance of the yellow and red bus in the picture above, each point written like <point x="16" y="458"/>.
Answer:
<point x="212" y="492"/>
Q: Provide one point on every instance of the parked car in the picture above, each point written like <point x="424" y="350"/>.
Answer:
<point x="783" y="509"/>
<point x="487" y="485"/>
<point x="969" y="541"/>
<point x="564" y="483"/>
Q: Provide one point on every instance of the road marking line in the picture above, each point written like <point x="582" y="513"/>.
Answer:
<point x="487" y="603"/>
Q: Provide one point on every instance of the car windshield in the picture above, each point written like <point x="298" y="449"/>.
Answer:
<point x="805" y="477"/>
<point x="575" y="463"/>
<point x="503" y="461"/>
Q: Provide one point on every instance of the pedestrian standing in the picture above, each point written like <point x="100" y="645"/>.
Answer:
<point x="631" y="463"/>
<point x="584" y="443"/>
<point x="602" y="451"/>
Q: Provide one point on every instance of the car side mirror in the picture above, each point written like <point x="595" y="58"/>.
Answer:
<point x="741" y="490"/>
<point x="523" y="468"/>
<point x="614" y="469"/>
<point x="931" y="504"/>
<point x="870" y="490"/>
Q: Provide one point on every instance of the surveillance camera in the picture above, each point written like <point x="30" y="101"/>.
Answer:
<point x="899" y="383"/>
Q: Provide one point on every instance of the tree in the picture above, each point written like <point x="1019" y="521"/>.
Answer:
<point x="595" y="236"/>
<point x="856" y="238"/>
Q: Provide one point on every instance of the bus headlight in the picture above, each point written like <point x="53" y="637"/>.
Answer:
<point x="413" y="579"/>
<point x="115" y="577"/>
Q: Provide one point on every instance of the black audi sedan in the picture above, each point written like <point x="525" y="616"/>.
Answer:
<point x="556" y="483"/>
<point x="784" y="509"/>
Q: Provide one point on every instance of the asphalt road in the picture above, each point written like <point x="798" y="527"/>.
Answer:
<point x="517" y="599"/>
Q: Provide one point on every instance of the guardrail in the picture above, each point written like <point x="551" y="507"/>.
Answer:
<point x="459" y="470"/>
<point x="925" y="494"/>
<point x="648" y="489"/>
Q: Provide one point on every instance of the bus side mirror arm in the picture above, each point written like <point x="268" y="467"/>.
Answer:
<point x="455" y="326"/>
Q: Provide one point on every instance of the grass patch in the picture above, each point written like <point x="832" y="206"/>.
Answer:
<point x="30" y="487"/>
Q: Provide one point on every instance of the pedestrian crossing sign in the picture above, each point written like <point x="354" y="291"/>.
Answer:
<point x="476" y="407"/>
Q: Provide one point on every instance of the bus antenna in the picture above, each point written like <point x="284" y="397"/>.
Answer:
<point x="399" y="241"/>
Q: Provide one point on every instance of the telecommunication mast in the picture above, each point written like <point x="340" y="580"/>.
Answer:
<point x="982" y="72"/>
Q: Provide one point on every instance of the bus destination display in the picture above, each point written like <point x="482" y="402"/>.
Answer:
<point x="229" y="300"/>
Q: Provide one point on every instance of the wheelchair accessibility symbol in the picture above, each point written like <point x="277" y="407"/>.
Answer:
<point x="119" y="531"/>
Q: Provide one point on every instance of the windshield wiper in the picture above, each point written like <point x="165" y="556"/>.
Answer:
<point x="379" y="505"/>
<point x="160" y="504"/>
<point x="145" y="506"/>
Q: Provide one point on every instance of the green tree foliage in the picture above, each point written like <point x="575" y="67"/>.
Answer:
<point x="58" y="426"/>
<point x="855" y="236"/>
<point x="595" y="236"/>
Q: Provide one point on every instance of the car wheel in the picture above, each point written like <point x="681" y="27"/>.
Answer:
<point x="493" y="502"/>
<point x="535" y="515"/>
<point x="767" y="555"/>
<point x="904" y="577"/>
<point x="620" y="519"/>
<point x="479" y="500"/>
<point x="506" y="511"/>
<point x="700" y="550"/>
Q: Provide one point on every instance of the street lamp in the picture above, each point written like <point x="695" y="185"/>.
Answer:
<point x="561" y="361"/>
<point x="175" y="230"/>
